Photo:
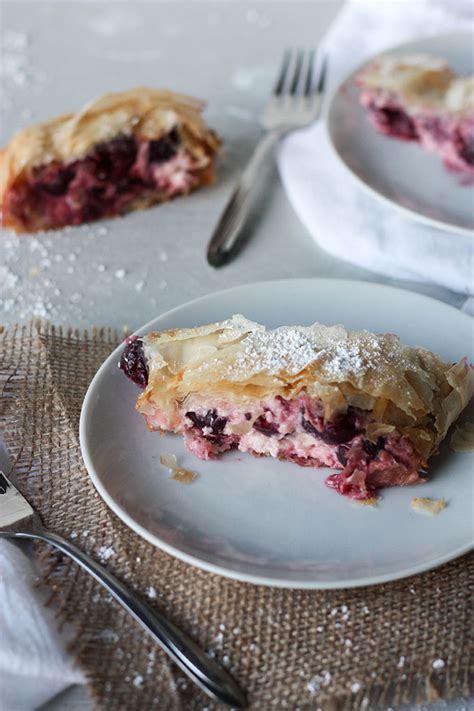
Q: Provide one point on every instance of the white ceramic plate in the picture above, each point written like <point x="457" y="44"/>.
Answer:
<point x="270" y="522"/>
<point x="401" y="172"/>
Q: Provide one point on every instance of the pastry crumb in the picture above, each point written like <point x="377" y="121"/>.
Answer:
<point x="429" y="506"/>
<point x="462" y="439"/>
<point x="372" y="502"/>
<point x="184" y="476"/>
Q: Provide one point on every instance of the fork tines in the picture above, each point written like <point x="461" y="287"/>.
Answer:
<point x="303" y="73"/>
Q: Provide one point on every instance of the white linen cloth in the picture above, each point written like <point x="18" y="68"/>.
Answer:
<point x="341" y="217"/>
<point x="33" y="665"/>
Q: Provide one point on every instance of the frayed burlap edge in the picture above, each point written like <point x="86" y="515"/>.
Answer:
<point x="359" y="649"/>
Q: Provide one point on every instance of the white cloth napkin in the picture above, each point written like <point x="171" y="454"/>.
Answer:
<point x="33" y="665"/>
<point x="341" y="217"/>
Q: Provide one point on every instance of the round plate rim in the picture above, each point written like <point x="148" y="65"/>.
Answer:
<point x="218" y="569"/>
<point x="328" y="112"/>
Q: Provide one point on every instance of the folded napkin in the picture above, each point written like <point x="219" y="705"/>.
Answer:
<point x="33" y="665"/>
<point x="342" y="218"/>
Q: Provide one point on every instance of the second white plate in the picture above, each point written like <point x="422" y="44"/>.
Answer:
<point x="270" y="522"/>
<point x="400" y="172"/>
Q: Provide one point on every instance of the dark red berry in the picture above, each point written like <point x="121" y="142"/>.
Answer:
<point x="210" y="420"/>
<point x="373" y="448"/>
<point x="54" y="180"/>
<point x="162" y="150"/>
<point x="133" y="362"/>
<point x="265" y="427"/>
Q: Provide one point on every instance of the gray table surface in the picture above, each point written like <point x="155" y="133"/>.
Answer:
<point x="58" y="55"/>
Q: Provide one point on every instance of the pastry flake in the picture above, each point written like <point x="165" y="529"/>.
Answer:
<point x="124" y="151"/>
<point x="183" y="476"/>
<point x="419" y="98"/>
<point x="363" y="404"/>
<point x="428" y="506"/>
<point x="462" y="439"/>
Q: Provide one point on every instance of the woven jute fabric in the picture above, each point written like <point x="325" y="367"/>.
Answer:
<point x="350" y="649"/>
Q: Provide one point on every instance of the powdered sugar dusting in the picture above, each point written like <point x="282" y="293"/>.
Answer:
<point x="359" y="352"/>
<point x="294" y="348"/>
<point x="338" y="354"/>
<point x="347" y="357"/>
<point x="289" y="349"/>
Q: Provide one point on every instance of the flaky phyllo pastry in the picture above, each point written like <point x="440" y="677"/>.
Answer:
<point x="363" y="404"/>
<point x="122" y="152"/>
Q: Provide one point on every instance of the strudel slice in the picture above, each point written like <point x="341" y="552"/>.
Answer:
<point x="122" y="152"/>
<point x="363" y="404"/>
<point x="419" y="98"/>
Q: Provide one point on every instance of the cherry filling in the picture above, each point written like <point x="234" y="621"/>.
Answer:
<point x="210" y="423"/>
<point x="450" y="136"/>
<point x="340" y="443"/>
<point x="105" y="183"/>
<point x="465" y="147"/>
<point x="391" y="461"/>
<point x="393" y="122"/>
<point x="342" y="429"/>
<point x="267" y="428"/>
<point x="133" y="362"/>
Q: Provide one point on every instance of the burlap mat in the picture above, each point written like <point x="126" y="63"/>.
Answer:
<point x="361" y="649"/>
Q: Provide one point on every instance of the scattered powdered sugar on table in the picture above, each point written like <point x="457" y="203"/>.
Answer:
<point x="248" y="78"/>
<point x="150" y="661"/>
<point x="35" y="269"/>
<point x="258" y="18"/>
<point x="321" y="680"/>
<point x="17" y="72"/>
<point x="7" y="278"/>
<point x="108" y="635"/>
<point x="105" y="552"/>
<point x="151" y="593"/>
<point x="138" y="680"/>
<point x="114" y="20"/>
<point x="15" y="66"/>
<point x="239" y="112"/>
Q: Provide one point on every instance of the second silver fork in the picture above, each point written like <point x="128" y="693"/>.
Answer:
<point x="296" y="103"/>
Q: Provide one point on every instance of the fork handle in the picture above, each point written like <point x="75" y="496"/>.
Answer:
<point x="203" y="671"/>
<point x="225" y="237"/>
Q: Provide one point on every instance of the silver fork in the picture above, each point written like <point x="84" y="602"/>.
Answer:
<point x="19" y="520"/>
<point x="296" y="103"/>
